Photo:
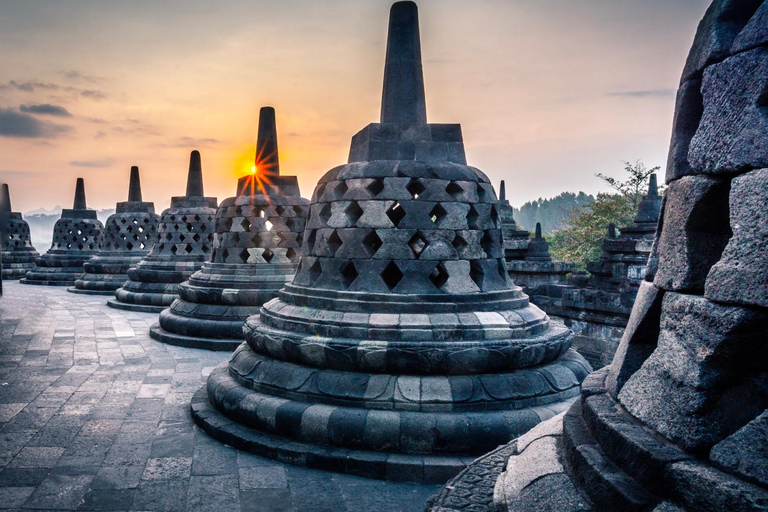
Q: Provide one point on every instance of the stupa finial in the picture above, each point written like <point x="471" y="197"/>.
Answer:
<point x="267" y="162"/>
<point x="653" y="187"/>
<point x="134" y="187"/>
<point x="403" y="98"/>
<point x="502" y="192"/>
<point x="538" y="230"/>
<point x="5" y="199"/>
<point x="195" y="176"/>
<point x="79" y="195"/>
<point x="611" y="230"/>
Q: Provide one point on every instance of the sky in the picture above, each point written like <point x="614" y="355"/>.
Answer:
<point x="548" y="92"/>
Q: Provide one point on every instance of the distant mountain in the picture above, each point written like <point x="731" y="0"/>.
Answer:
<point x="42" y="211"/>
<point x="550" y="212"/>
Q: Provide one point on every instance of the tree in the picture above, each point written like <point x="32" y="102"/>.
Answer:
<point x="587" y="225"/>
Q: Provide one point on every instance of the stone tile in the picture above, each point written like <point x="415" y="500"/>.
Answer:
<point x="167" y="468"/>
<point x="262" y="477"/>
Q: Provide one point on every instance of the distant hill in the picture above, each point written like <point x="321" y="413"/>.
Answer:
<point x="550" y="212"/>
<point x="42" y="211"/>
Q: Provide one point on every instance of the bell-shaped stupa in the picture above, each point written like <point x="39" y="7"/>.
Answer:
<point x="255" y="251"/>
<point x="400" y="350"/>
<point x="184" y="242"/>
<point x="18" y="255"/>
<point x="77" y="236"/>
<point x="129" y="235"/>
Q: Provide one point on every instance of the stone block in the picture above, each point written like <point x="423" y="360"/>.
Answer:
<point x="707" y="377"/>
<point x="688" y="111"/>
<point x="745" y="453"/>
<point x="695" y="231"/>
<point x="755" y="33"/>
<point x="741" y="275"/>
<point x="733" y="132"/>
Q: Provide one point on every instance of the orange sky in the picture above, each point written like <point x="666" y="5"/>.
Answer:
<point x="548" y="92"/>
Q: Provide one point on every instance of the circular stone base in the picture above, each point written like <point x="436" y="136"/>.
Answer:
<point x="140" y="308"/>
<point x="158" y="333"/>
<point x="428" y="469"/>
<point x="47" y="283"/>
<point x="90" y="292"/>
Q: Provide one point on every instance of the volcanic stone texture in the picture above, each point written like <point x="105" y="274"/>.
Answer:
<point x="77" y="236"/>
<point x="255" y="251"/>
<point x="678" y="422"/>
<point x="401" y="350"/>
<point x="18" y="254"/>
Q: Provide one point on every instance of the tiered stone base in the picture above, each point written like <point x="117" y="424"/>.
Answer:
<point x="104" y="274"/>
<point x="17" y="264"/>
<point x="152" y="286"/>
<point x="57" y="268"/>
<point x="215" y="303"/>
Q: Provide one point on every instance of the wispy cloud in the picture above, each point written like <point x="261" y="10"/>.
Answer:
<point x="34" y="85"/>
<point x="96" y="164"/>
<point x="190" y="142"/>
<point x="15" y="124"/>
<point x="46" y="109"/>
<point x="649" y="93"/>
<point x="76" y="75"/>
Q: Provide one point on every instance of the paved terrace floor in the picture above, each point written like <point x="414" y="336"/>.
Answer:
<point x="94" y="415"/>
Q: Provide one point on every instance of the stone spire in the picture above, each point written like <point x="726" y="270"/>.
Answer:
<point x="538" y="248"/>
<point x="503" y="192"/>
<point x="611" y="230"/>
<point x="195" y="176"/>
<point x="5" y="199"/>
<point x="134" y="188"/>
<point x="650" y="205"/>
<point x="79" y="195"/>
<point x="267" y="162"/>
<point x="403" y="99"/>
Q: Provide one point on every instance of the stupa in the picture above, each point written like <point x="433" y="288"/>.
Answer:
<point x="184" y="242"/>
<point x="596" y="307"/>
<point x="77" y="236"/>
<point x="401" y="350"/>
<point x="255" y="251"/>
<point x="513" y="239"/>
<point x="18" y="254"/>
<point x="679" y="421"/>
<point x="129" y="235"/>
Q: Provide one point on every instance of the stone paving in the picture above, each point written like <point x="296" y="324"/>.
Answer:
<point x="94" y="415"/>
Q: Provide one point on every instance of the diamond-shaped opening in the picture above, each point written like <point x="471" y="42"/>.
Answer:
<point x="325" y="212"/>
<point x="80" y="246"/>
<point x="203" y="228"/>
<point x="353" y="213"/>
<point x="472" y="217"/>
<point x="141" y="229"/>
<point x="437" y="214"/>
<point x="487" y="244"/>
<point x="129" y="245"/>
<point x="395" y="213"/>
<point x="309" y="241"/>
<point x="418" y="243"/>
<point x="340" y="189"/>
<point x="188" y="248"/>
<point x="454" y="190"/>
<point x="197" y="218"/>
<point x="228" y="224"/>
<point x="319" y="191"/>
<point x="334" y="242"/>
<point x="415" y="188"/>
<point x="372" y="242"/>
<point x="314" y="272"/>
<point x="174" y="249"/>
<point x="391" y="275"/>
<point x="291" y="254"/>
<point x="196" y="238"/>
<point x="476" y="273"/>
<point x="205" y="248"/>
<point x="495" y="215"/>
<point x="123" y="221"/>
<point x="481" y="193"/>
<point x="348" y="274"/>
<point x="268" y="225"/>
<point x="375" y="187"/>
<point x="267" y="255"/>
<point x="439" y="276"/>
<point x="245" y="224"/>
<point x="142" y="245"/>
<point x="182" y="237"/>
<point x="173" y="218"/>
<point x="279" y="210"/>
<point x="190" y="227"/>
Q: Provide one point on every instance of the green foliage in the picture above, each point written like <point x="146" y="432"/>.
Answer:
<point x="587" y="225"/>
<point x="552" y="213"/>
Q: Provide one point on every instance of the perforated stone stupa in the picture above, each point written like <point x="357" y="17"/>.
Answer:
<point x="400" y="350"/>
<point x="678" y="422"/>
<point x="513" y="239"/>
<point x="77" y="236"/>
<point x="255" y="251"/>
<point x="129" y="235"/>
<point x="18" y="254"/>
<point x="184" y="242"/>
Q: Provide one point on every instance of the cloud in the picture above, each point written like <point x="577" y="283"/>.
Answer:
<point x="99" y="135"/>
<point x="96" y="164"/>
<point x="47" y="109"/>
<point x="650" y="93"/>
<point x="193" y="142"/>
<point x="76" y="75"/>
<point x="33" y="85"/>
<point x="15" y="124"/>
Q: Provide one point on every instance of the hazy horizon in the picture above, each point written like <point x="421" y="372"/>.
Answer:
<point x="548" y="93"/>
